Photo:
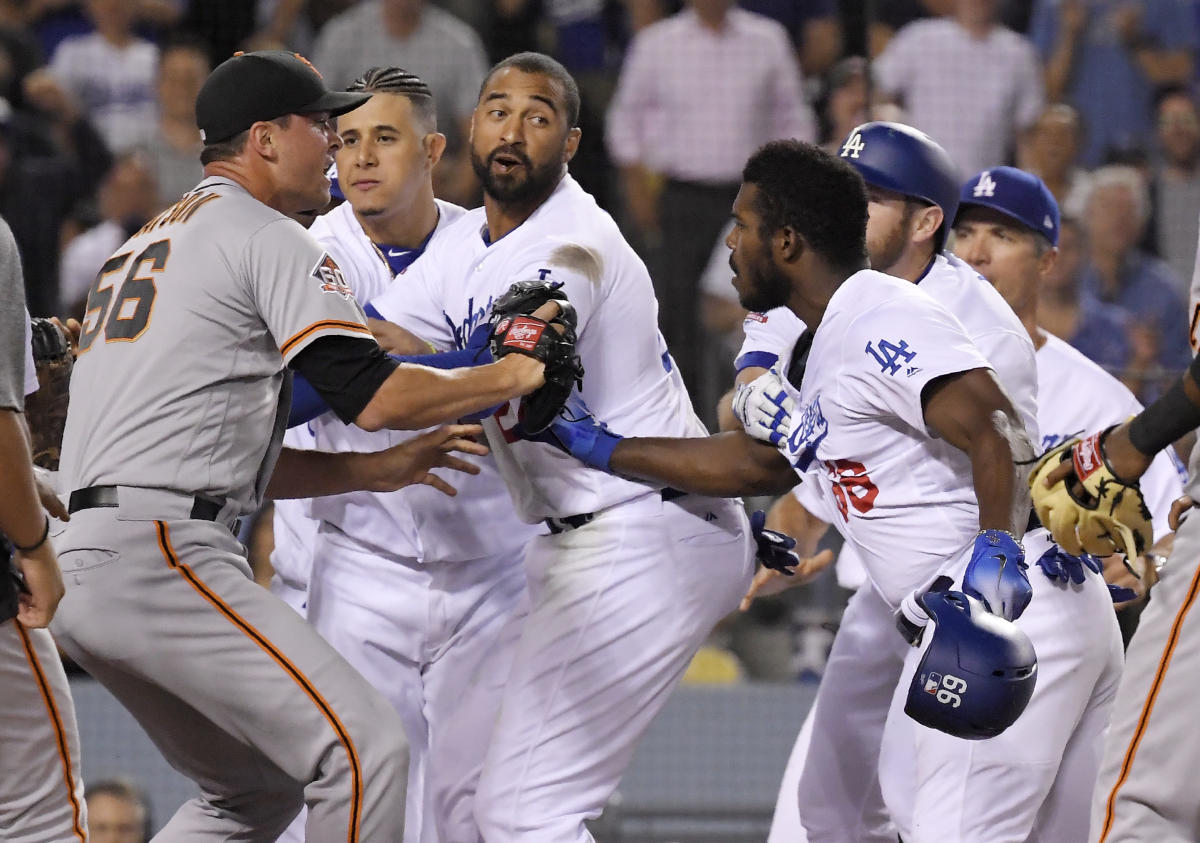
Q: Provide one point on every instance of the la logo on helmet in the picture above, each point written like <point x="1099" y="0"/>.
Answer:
<point x="853" y="145"/>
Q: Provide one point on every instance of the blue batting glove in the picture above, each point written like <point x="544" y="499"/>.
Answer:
<point x="579" y="433"/>
<point x="1062" y="567"/>
<point x="774" y="548"/>
<point x="1121" y="594"/>
<point x="996" y="574"/>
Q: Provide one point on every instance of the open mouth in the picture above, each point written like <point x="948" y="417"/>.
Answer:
<point x="507" y="162"/>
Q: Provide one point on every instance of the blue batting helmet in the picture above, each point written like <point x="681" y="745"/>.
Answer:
<point x="977" y="671"/>
<point x="1018" y="195"/>
<point x="899" y="158"/>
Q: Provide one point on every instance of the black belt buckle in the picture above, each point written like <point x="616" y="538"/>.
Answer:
<point x="205" y="509"/>
<point x="569" y="522"/>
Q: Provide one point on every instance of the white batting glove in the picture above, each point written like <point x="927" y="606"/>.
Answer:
<point x="764" y="407"/>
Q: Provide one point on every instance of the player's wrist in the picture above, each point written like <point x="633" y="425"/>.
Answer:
<point x="1125" y="460"/>
<point x="33" y="546"/>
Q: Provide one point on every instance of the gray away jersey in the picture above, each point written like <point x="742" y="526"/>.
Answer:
<point x="180" y="382"/>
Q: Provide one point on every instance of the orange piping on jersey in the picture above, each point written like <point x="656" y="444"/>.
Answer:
<point x="1148" y="706"/>
<point x="164" y="544"/>
<point x="320" y="326"/>
<point x="60" y="734"/>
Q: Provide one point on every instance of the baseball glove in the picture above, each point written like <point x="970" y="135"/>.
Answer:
<point x="1090" y="511"/>
<point x="515" y="330"/>
<point x="46" y="409"/>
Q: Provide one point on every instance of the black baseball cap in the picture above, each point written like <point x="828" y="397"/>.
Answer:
<point x="264" y="85"/>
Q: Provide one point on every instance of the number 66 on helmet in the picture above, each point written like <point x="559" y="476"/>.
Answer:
<point x="977" y="670"/>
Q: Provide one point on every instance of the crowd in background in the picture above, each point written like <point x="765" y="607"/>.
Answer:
<point x="1097" y="97"/>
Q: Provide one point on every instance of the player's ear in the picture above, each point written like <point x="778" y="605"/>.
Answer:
<point x="435" y="146"/>
<point x="926" y="222"/>
<point x="1046" y="260"/>
<point x="261" y="138"/>
<point x="788" y="243"/>
<point x="572" y="144"/>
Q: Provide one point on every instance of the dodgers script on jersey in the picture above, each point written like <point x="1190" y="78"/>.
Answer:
<point x="880" y="342"/>
<point x="411" y="522"/>
<point x="568" y="240"/>
<point x="152" y="406"/>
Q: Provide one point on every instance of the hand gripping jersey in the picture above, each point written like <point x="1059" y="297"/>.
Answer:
<point x="631" y="381"/>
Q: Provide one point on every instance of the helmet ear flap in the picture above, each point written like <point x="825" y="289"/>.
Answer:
<point x="976" y="672"/>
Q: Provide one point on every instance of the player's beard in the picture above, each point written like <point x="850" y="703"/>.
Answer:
<point x="515" y="188"/>
<point x="768" y="288"/>
<point x="886" y="254"/>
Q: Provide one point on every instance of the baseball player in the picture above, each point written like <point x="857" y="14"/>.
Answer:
<point x="41" y="798"/>
<point x="900" y="418"/>
<point x="1145" y="791"/>
<point x="420" y="592"/>
<point x="629" y="580"/>
<point x="912" y="191"/>
<point x="178" y="401"/>
<point x="1018" y="201"/>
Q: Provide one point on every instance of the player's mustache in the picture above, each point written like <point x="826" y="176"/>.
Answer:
<point x="512" y="153"/>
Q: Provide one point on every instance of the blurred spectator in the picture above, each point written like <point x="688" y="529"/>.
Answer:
<point x="1176" y="184"/>
<point x="1120" y="273"/>
<point x="1099" y="331"/>
<point x="1106" y="56"/>
<point x="1051" y="152"/>
<point x="224" y="25"/>
<point x="890" y="17"/>
<point x="175" y="148"/>
<point x="699" y="92"/>
<point x="844" y="104"/>
<point x="49" y="162"/>
<point x="814" y="26"/>
<point x="20" y="52"/>
<point x="110" y="73"/>
<point x="435" y="45"/>
<point x="966" y="80"/>
<point x="128" y="198"/>
<point x="117" y="813"/>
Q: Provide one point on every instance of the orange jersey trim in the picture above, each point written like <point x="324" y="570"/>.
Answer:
<point x="1148" y="706"/>
<point x="320" y="326"/>
<point x="164" y="544"/>
<point x="60" y="733"/>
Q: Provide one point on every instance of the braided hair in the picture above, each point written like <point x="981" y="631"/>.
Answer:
<point x="397" y="80"/>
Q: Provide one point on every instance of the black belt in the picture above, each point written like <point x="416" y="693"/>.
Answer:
<point x="574" y="522"/>
<point x="203" y="509"/>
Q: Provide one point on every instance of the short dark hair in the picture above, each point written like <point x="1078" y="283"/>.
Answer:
<point x="1174" y="89"/>
<point x="397" y="80"/>
<point x="820" y="196"/>
<point x="231" y="148"/>
<point x="543" y="64"/>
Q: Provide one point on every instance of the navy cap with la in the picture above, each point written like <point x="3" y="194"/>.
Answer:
<point x="264" y="85"/>
<point x="1017" y="194"/>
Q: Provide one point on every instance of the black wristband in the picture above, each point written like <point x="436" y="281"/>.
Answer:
<point x="1164" y="421"/>
<point x="32" y="547"/>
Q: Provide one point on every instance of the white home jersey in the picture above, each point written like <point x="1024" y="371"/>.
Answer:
<point x="1076" y="397"/>
<point x="417" y="521"/>
<point x="569" y="239"/>
<point x="989" y="321"/>
<point x="180" y="382"/>
<point x="859" y="429"/>
<point x="295" y="529"/>
<point x="363" y="263"/>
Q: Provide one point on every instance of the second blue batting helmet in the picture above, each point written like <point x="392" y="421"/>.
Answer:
<point x="899" y="158"/>
<point x="977" y="671"/>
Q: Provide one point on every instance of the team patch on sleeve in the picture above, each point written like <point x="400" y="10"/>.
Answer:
<point x="329" y="276"/>
<point x="755" y="316"/>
